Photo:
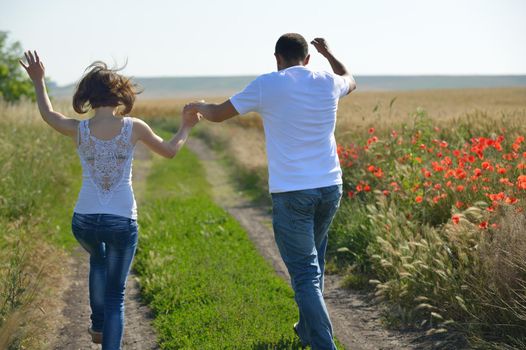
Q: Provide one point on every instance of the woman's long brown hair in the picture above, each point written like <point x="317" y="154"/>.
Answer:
<point x="104" y="87"/>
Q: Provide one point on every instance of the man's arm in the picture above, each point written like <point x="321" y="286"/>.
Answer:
<point x="337" y="67"/>
<point x="213" y="112"/>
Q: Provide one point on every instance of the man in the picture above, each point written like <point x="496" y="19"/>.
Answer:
<point x="298" y="107"/>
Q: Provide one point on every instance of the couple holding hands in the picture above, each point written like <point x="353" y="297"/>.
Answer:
<point x="298" y="107"/>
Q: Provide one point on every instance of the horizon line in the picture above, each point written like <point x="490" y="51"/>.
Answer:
<point x="431" y="75"/>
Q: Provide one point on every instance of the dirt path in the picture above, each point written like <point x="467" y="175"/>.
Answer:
<point x="357" y="323"/>
<point x="73" y="335"/>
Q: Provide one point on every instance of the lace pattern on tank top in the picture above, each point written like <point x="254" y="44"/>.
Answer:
<point x="106" y="160"/>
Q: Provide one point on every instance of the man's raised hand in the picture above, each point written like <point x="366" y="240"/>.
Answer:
<point x="337" y="67"/>
<point x="34" y="68"/>
<point x="321" y="45"/>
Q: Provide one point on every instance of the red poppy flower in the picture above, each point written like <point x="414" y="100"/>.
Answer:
<point x="483" y="225"/>
<point x="379" y="173"/>
<point x="511" y="200"/>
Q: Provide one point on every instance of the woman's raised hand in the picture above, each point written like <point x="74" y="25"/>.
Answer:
<point x="34" y="68"/>
<point x="190" y="118"/>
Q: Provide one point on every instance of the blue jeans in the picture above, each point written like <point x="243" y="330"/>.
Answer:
<point x="111" y="241"/>
<point x="301" y="221"/>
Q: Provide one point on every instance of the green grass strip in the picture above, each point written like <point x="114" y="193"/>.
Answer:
<point x="206" y="283"/>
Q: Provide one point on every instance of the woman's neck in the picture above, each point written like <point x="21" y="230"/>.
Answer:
<point x="105" y="112"/>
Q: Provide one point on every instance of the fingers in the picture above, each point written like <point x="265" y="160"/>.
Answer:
<point x="23" y="65"/>
<point x="319" y="42"/>
<point x="195" y="103"/>
<point x="193" y="107"/>
<point x="31" y="57"/>
<point x="188" y="108"/>
<point x="27" y="58"/>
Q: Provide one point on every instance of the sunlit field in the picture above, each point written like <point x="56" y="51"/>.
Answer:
<point x="432" y="220"/>
<point x="360" y="111"/>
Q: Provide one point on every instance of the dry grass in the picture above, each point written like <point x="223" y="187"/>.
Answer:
<point x="32" y="264"/>
<point x="36" y="278"/>
<point x="503" y="257"/>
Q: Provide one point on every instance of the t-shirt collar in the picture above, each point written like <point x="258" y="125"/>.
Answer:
<point x="299" y="66"/>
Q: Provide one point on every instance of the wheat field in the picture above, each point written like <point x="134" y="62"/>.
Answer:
<point x="243" y="139"/>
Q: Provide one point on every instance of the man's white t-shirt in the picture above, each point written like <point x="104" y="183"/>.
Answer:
<point x="298" y="107"/>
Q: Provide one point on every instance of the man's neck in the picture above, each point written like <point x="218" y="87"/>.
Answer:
<point x="291" y="64"/>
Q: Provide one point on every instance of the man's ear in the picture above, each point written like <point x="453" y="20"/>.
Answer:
<point x="306" y="60"/>
<point x="278" y="59"/>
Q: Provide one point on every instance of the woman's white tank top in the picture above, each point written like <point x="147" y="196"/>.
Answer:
<point x="106" y="172"/>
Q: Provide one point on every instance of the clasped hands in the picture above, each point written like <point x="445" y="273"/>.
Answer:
<point x="192" y="114"/>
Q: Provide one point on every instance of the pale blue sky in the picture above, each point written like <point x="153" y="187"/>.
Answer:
<point x="236" y="37"/>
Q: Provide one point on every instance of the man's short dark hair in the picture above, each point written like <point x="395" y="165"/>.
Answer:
<point x="292" y="47"/>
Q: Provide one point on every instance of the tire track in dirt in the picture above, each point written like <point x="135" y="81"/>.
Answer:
<point x="357" y="322"/>
<point x="138" y="331"/>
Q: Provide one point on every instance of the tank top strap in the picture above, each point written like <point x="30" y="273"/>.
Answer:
<point x="127" y="129"/>
<point x="83" y="132"/>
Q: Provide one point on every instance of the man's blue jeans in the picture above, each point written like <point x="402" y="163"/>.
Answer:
<point x="301" y="221"/>
<point x="111" y="241"/>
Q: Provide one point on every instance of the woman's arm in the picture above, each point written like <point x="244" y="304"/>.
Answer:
<point x="168" y="149"/>
<point x="35" y="70"/>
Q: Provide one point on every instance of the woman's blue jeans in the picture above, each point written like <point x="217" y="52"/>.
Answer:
<point x="301" y="221"/>
<point x="111" y="241"/>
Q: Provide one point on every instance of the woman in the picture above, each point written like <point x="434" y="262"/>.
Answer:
<point x="105" y="216"/>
